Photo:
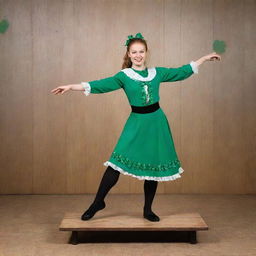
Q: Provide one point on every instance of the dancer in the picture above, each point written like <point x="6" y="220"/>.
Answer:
<point x="145" y="149"/>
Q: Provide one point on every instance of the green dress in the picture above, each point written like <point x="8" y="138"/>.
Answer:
<point x="145" y="149"/>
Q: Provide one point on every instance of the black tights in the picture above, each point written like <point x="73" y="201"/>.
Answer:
<point x="109" y="179"/>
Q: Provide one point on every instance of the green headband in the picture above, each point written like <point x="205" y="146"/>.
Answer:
<point x="138" y="35"/>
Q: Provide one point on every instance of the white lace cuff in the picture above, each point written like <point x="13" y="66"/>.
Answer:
<point x="87" y="88"/>
<point x="194" y="67"/>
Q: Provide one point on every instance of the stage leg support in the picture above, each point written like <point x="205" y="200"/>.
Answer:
<point x="74" y="238"/>
<point x="192" y="237"/>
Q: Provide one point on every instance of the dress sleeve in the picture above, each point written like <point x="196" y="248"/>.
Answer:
<point x="177" y="74"/>
<point x="104" y="85"/>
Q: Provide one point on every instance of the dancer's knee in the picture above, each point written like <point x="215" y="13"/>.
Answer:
<point x="111" y="169"/>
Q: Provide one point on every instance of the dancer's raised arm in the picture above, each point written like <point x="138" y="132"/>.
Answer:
<point x="185" y="71"/>
<point x="209" y="57"/>
<point x="103" y="85"/>
<point x="97" y="86"/>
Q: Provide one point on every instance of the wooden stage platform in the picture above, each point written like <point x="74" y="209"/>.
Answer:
<point x="186" y="223"/>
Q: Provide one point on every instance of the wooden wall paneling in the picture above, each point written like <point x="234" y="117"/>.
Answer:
<point x="75" y="171"/>
<point x="249" y="89"/>
<point x="102" y="117"/>
<point x="229" y="110"/>
<point x="16" y="176"/>
<point x="196" y="97"/>
<point x="56" y="144"/>
<point x="50" y="114"/>
<point x="170" y="92"/>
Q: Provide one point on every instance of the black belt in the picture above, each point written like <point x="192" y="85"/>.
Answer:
<point x="145" y="109"/>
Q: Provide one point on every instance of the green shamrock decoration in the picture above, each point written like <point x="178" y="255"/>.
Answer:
<point x="219" y="46"/>
<point x="4" y="24"/>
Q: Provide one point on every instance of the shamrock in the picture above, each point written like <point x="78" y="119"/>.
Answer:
<point x="4" y="24"/>
<point x="219" y="46"/>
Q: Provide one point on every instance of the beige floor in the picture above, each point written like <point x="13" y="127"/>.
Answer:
<point x="29" y="225"/>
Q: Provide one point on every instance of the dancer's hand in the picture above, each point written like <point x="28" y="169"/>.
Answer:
<point x="212" y="56"/>
<point x="61" y="89"/>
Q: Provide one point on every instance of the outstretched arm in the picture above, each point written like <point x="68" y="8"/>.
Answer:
<point x="97" y="86"/>
<point x="177" y="74"/>
<point x="103" y="85"/>
<point x="209" y="57"/>
<point x="185" y="71"/>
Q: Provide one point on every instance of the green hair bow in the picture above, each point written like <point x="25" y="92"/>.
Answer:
<point x="138" y="35"/>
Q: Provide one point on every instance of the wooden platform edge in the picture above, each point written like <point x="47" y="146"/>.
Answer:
<point x="133" y="229"/>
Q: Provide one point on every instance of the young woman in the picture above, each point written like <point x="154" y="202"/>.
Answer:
<point x="145" y="149"/>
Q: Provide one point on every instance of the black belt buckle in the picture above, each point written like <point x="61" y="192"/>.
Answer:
<point x="145" y="109"/>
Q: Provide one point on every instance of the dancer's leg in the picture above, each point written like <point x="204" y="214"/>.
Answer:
<point x="109" y="179"/>
<point x="150" y="187"/>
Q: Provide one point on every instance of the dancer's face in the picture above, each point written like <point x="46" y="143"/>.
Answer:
<point x="137" y="54"/>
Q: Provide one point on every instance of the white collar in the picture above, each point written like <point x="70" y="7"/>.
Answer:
<point x="135" y="76"/>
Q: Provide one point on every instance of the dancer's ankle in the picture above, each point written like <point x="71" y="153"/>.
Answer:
<point x="91" y="211"/>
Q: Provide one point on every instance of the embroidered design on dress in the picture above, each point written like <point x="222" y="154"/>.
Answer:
<point x="146" y="91"/>
<point x="164" y="178"/>
<point x="144" y="82"/>
<point x="147" y="95"/>
<point x="143" y="167"/>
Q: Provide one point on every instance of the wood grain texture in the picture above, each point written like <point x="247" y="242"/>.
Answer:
<point x="57" y="144"/>
<point x="178" y="222"/>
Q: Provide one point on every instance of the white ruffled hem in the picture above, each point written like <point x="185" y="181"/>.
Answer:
<point x="166" y="178"/>
<point x="87" y="88"/>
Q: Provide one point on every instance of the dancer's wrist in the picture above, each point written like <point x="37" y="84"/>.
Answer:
<point x="200" y="61"/>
